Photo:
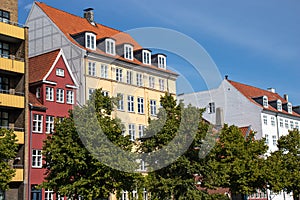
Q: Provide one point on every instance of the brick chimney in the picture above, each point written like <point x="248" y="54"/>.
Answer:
<point x="89" y="15"/>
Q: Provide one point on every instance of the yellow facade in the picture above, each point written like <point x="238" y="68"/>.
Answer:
<point x="12" y="31"/>
<point x="11" y="100"/>
<point x="18" y="176"/>
<point x="19" y="136"/>
<point x="12" y="65"/>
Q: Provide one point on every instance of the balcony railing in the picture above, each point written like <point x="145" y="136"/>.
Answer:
<point x="11" y="98"/>
<point x="11" y="23"/>
<point x="13" y="57"/>
<point x="12" y="91"/>
<point x="12" y="29"/>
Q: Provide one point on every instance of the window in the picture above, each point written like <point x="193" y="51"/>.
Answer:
<point x="279" y="105"/>
<point x="267" y="138"/>
<point x="265" y="101"/>
<point x="91" y="91"/>
<point x="38" y="92"/>
<point x="140" y="105"/>
<point x="60" y="72"/>
<point x="36" y="158"/>
<point x="274" y="139"/>
<point x="119" y="75"/>
<point x="4" y="85"/>
<point x="36" y="194"/>
<point x="146" y="57"/>
<point x="131" y="131"/>
<point x="104" y="71"/>
<point x="273" y="121"/>
<point x="139" y="79"/>
<point x="59" y="197"/>
<point x="59" y="95"/>
<point x="134" y="194"/>
<point x="37" y="125"/>
<point x="129" y="77"/>
<point x="48" y="194"/>
<point x="297" y="125"/>
<point x="153" y="107"/>
<point x="90" y="41"/>
<point x="211" y="107"/>
<point x="286" y="123"/>
<point x="49" y="94"/>
<point x="3" y="119"/>
<point x="49" y="124"/>
<point x="161" y="84"/>
<point x="4" y="49"/>
<point x="105" y="93"/>
<point x="151" y="82"/>
<point x="265" y="120"/>
<point x="130" y="103"/>
<point x="289" y="108"/>
<point x="124" y="195"/>
<point x="143" y="167"/>
<point x="121" y="101"/>
<point x="110" y="46"/>
<point x="161" y="61"/>
<point x="141" y="130"/>
<point x="292" y="125"/>
<point x="4" y="16"/>
<point x="145" y="194"/>
<point x="70" y="97"/>
<point x="281" y="122"/>
<point x="128" y="52"/>
<point x="92" y="69"/>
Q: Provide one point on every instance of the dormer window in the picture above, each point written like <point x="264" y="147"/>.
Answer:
<point x="161" y="61"/>
<point x="289" y="108"/>
<point x="90" y="41"/>
<point x="279" y="105"/>
<point x="128" y="51"/>
<point x="265" y="101"/>
<point x="146" y="57"/>
<point x="110" y="46"/>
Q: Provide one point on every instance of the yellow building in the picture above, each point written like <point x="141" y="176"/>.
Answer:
<point x="13" y="90"/>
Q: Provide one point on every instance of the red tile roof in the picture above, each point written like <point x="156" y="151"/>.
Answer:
<point x="251" y="92"/>
<point x="40" y="65"/>
<point x="34" y="101"/>
<point x="71" y="24"/>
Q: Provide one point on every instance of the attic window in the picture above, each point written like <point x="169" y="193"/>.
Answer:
<point x="146" y="57"/>
<point x="90" y="41"/>
<point x="128" y="52"/>
<point x="265" y="101"/>
<point x="279" y="105"/>
<point x="289" y="108"/>
<point x="110" y="46"/>
<point x="161" y="61"/>
<point x="60" y="72"/>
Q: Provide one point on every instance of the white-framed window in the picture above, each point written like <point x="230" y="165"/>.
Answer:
<point x="161" y="84"/>
<point x="59" y="95"/>
<point x="124" y="195"/>
<point x="37" y="123"/>
<point x="104" y="71"/>
<point x="297" y="125"/>
<point x="286" y="123"/>
<point x="130" y="103"/>
<point x="139" y="79"/>
<point x="289" y="108"/>
<point x="131" y="131"/>
<point x="281" y="122"/>
<point x="91" y="91"/>
<point x="92" y="68"/>
<point x="146" y="57"/>
<point x="265" y="120"/>
<point x="267" y="138"/>
<point x="265" y="101"/>
<point x="128" y="51"/>
<point x="141" y="130"/>
<point x="49" y="94"/>
<point x="153" y="107"/>
<point x="151" y="82"/>
<point x="70" y="97"/>
<point x="49" y="124"/>
<point x="134" y="194"/>
<point x="142" y="166"/>
<point x="60" y="72"/>
<point x="273" y="121"/>
<point x="48" y="194"/>
<point x="162" y="61"/>
<point x="105" y="93"/>
<point x="292" y="125"/>
<point x="110" y="46"/>
<point x="140" y="102"/>
<point x="121" y="101"/>
<point x="38" y="92"/>
<point x="36" y="158"/>
<point x="129" y="77"/>
<point x="274" y="139"/>
<point x="279" y="105"/>
<point x="119" y="74"/>
<point x="90" y="41"/>
<point x="145" y="194"/>
<point x="211" y="107"/>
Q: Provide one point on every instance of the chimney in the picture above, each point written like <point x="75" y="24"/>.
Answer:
<point x="271" y="90"/>
<point x="219" y="118"/>
<point x="226" y="77"/>
<point x="89" y="14"/>
<point x="286" y="97"/>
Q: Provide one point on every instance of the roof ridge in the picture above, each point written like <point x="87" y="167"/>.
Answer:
<point x="43" y="54"/>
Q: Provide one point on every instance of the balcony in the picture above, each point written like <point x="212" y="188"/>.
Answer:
<point x="12" y="30"/>
<point x="11" y="98"/>
<point x="12" y="64"/>
<point x="19" y="175"/>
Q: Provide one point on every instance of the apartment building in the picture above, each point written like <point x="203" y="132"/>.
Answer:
<point x="13" y="91"/>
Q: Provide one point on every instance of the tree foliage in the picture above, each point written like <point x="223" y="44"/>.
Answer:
<point x="8" y="151"/>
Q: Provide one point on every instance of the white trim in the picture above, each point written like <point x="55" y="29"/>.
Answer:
<point x="92" y="43"/>
<point x="164" y="66"/>
<point x="72" y="86"/>
<point x="49" y="82"/>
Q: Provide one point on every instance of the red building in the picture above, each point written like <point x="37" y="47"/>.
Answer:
<point x="52" y="92"/>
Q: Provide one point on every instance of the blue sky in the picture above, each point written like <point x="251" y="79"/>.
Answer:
<point x="254" y="42"/>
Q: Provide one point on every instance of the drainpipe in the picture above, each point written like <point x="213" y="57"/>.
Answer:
<point x="29" y="152"/>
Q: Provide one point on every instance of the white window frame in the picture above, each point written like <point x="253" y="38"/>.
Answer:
<point x="129" y="77"/>
<point x="139" y="79"/>
<point x="48" y="194"/>
<point x="153" y="107"/>
<point x="151" y="82"/>
<point x="105" y="93"/>
<point x="279" y="105"/>
<point x="292" y="125"/>
<point x="143" y="166"/>
<point x="265" y="119"/>
<point x="91" y="91"/>
<point x="140" y="104"/>
<point x="110" y="46"/>
<point x="60" y="72"/>
<point x="145" y="194"/>
<point x="146" y="57"/>
<point x="128" y="51"/>
<point x="273" y="121"/>
<point x="49" y="124"/>
<point x="38" y="92"/>
<point x="141" y="130"/>
<point x="92" y="68"/>
<point x="70" y="97"/>
<point x="49" y="94"/>
<point x="131" y="131"/>
<point x="274" y="140"/>
<point x="60" y="95"/>
<point x="211" y="107"/>
<point x="90" y="41"/>
<point x="124" y="195"/>
<point x="37" y="123"/>
<point x="296" y="125"/>
<point x="130" y="103"/>
<point x="265" y="101"/>
<point x="289" y="108"/>
<point x="161" y="61"/>
<point x="267" y="138"/>
<point x="119" y="74"/>
<point x="36" y="158"/>
<point x="286" y="124"/>
<point x="121" y="101"/>
<point x="281" y="122"/>
<point x="161" y="84"/>
<point x="104" y="71"/>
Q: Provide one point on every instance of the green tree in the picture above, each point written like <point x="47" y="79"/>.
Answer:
<point x="8" y="151"/>
<point x="75" y="171"/>
<point x="284" y="165"/>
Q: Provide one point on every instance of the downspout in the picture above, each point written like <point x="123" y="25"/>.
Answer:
<point x="29" y="152"/>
